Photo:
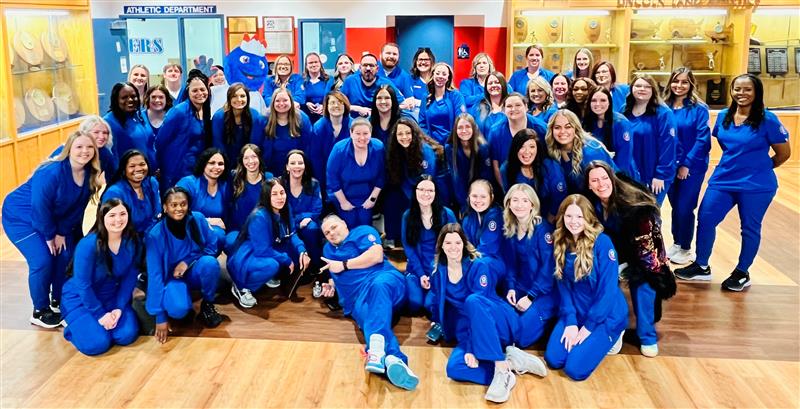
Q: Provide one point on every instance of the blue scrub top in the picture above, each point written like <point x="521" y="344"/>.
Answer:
<point x="500" y="137"/>
<point x="622" y="138"/>
<point x="315" y="93"/>
<point x="275" y="149"/>
<point x="421" y="255"/>
<point x="262" y="239"/>
<point x="619" y="93"/>
<point x="552" y="191"/>
<point x="745" y="165"/>
<point x="233" y="150"/>
<point x="519" y="79"/>
<point x="437" y="117"/>
<point x="692" y="122"/>
<point x="531" y="266"/>
<point x="241" y="207"/>
<point x="307" y="204"/>
<point x="654" y="144"/>
<point x="108" y="162"/>
<point x="202" y="201"/>
<point x="485" y="232"/>
<point x="419" y="88"/>
<point x="460" y="170"/>
<point x="324" y="139"/>
<point x="179" y="142"/>
<point x="592" y="150"/>
<point x="356" y="182"/>
<point x="400" y="78"/>
<point x="360" y="95"/>
<point x="545" y="115"/>
<point x="294" y="86"/>
<point x="145" y="211"/>
<point x="135" y="134"/>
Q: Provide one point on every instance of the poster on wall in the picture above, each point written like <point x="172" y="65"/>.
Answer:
<point x="279" y="35"/>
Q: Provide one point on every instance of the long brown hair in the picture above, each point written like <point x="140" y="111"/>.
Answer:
<point x="624" y="194"/>
<point x="583" y="247"/>
<point x="554" y="148"/>
<point x="240" y="172"/>
<point x="230" y="118"/>
<point x="469" y="251"/>
<point x="294" y="119"/>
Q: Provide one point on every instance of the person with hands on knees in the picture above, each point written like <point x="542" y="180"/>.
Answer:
<point x="593" y="312"/>
<point x="462" y="299"/>
<point x="97" y="295"/>
<point x="371" y="290"/>
<point x="266" y="246"/>
<point x="420" y="228"/>
<point x="528" y="256"/>
<point x="356" y="173"/>
<point x="181" y="253"/>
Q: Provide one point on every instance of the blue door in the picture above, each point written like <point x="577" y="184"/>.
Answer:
<point x="111" y="53"/>
<point x="434" y="32"/>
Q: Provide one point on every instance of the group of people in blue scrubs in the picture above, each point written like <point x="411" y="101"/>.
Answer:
<point x="518" y="214"/>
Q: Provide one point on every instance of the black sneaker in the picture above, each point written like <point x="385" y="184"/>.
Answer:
<point x="738" y="281"/>
<point x="209" y="315"/>
<point x="55" y="306"/>
<point x="46" y="318"/>
<point x="693" y="272"/>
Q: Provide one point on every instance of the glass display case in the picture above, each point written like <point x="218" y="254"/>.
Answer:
<point x="51" y="68"/>
<point x="562" y="33"/>
<point x="775" y="43"/>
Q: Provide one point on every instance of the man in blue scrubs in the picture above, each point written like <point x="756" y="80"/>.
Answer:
<point x="361" y="87"/>
<point x="370" y="290"/>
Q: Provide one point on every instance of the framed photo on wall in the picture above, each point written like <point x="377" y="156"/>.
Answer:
<point x="754" y="61"/>
<point x="279" y="34"/>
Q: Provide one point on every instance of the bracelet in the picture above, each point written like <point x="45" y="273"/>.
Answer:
<point x="344" y="266"/>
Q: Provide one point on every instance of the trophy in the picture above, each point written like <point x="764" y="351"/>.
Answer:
<point x="592" y="29"/>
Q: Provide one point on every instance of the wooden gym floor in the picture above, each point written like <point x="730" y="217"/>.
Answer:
<point x="717" y="349"/>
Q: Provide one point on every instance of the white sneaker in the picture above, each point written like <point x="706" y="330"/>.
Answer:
<point x="683" y="257"/>
<point x="376" y="354"/>
<point x="274" y="283"/>
<point x="650" y="351"/>
<point x="673" y="249"/>
<point x="522" y="362"/>
<point x="245" y="298"/>
<point x="400" y="374"/>
<point x="617" y="345"/>
<point x="500" y="389"/>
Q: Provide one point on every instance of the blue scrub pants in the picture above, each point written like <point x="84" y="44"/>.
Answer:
<point x="312" y="238"/>
<point x="643" y="298"/>
<point x="579" y="363"/>
<point x="90" y="338"/>
<point x="715" y="206"/>
<point x="533" y="322"/>
<point x="375" y="306"/>
<point x="415" y="294"/>
<point x="46" y="273"/>
<point x="663" y="195"/>
<point x="492" y="326"/>
<point x="204" y="274"/>
<point x="684" y="196"/>
<point x="395" y="203"/>
<point x="254" y="272"/>
<point x="219" y="232"/>
<point x="356" y="217"/>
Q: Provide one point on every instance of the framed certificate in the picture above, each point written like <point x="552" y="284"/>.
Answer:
<point x="777" y="61"/>
<point x="279" y="34"/>
<point x="754" y="61"/>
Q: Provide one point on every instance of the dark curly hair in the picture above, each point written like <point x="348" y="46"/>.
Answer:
<point x="401" y="161"/>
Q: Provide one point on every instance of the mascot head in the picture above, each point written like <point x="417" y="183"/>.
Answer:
<point x="247" y="64"/>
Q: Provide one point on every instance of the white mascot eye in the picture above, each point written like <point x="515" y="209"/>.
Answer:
<point x="244" y="59"/>
<point x="262" y="65"/>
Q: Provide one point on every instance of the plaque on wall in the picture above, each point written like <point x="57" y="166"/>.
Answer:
<point x="39" y="104"/>
<point x="777" y="61"/>
<point x="27" y="48"/>
<point x="715" y="92"/>
<point x="65" y="99"/>
<point x="54" y="46"/>
<point x="754" y="61"/>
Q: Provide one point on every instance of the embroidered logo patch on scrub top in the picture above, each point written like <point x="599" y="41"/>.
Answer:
<point x="612" y="255"/>
<point x="548" y="238"/>
<point x="424" y="164"/>
<point x="672" y="132"/>
<point x="492" y="225"/>
<point x="371" y="238"/>
<point x="488" y="162"/>
<point x="560" y="186"/>
<point x="484" y="281"/>
<point x="626" y="136"/>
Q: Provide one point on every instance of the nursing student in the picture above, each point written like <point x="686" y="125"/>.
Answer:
<point x="467" y="154"/>
<point x="208" y="188"/>
<point x="464" y="302"/>
<point x="248" y="179"/>
<point x="483" y="225"/>
<point x="540" y="99"/>
<point x="139" y="76"/>
<point x="181" y="254"/>
<point x="534" y="56"/>
<point x="356" y="174"/>
<point x="582" y="64"/>
<point x="744" y="177"/>
<point x="286" y="129"/>
<point x="528" y="256"/>
<point x="439" y="111"/>
<point x="185" y="133"/>
<point x="421" y="224"/>
<point x="157" y="103"/>
<point x="654" y="133"/>
<point x="97" y="295"/>
<point x="285" y="78"/>
<point x="605" y="76"/>
<point x="316" y="84"/>
<point x="612" y="129"/>
<point x="691" y="118"/>
<point x="139" y="191"/>
<point x="408" y="158"/>
<point x="503" y="130"/>
<point x="632" y="219"/>
<point x="593" y="312"/>
<point x="491" y="109"/>
<point x="333" y="127"/>
<point x="267" y="246"/>
<point x="385" y="111"/>
<point x="472" y="87"/>
<point x="43" y="218"/>
<point x="97" y="127"/>
<point x="236" y="124"/>
<point x="126" y="123"/>
<point x="371" y="290"/>
<point x="305" y="202"/>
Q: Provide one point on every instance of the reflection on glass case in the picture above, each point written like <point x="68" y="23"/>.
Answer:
<point x="48" y="66"/>
<point x="561" y="35"/>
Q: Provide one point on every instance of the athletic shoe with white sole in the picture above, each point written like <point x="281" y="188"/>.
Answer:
<point x="522" y="362"/>
<point x="673" y="249"/>
<point x="400" y="374"/>
<point x="683" y="257"/>
<point x="738" y="281"/>
<point x="693" y="272"/>
<point x="55" y="306"/>
<point x="274" y="283"/>
<point x="500" y="389"/>
<point x="46" y="318"/>
<point x="650" y="351"/>
<point x="617" y="345"/>
<point x="376" y="354"/>
<point x="242" y="297"/>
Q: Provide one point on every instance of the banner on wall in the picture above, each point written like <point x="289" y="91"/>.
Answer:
<point x="151" y="10"/>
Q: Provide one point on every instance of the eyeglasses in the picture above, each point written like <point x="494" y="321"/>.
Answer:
<point x="430" y="191"/>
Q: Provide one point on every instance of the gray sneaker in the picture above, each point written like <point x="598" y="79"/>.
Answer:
<point x="274" y="283"/>
<point x="502" y="384"/>
<point x="522" y="362"/>
<point x="245" y="298"/>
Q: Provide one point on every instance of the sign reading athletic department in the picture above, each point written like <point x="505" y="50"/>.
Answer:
<point x="150" y="10"/>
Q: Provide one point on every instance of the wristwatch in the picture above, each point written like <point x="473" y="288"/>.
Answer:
<point x="344" y="265"/>
<point x="373" y="199"/>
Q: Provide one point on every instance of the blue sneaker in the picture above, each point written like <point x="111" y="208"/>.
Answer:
<point x="400" y="374"/>
<point x="376" y="354"/>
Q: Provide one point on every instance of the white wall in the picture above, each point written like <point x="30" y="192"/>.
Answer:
<point x="359" y="13"/>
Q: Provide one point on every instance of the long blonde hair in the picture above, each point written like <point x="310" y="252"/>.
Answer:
<point x="511" y="224"/>
<point x="564" y="242"/>
<point x="93" y="167"/>
<point x="294" y="117"/>
<point x="554" y="148"/>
